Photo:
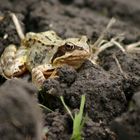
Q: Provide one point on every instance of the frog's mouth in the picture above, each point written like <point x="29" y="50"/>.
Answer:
<point x="71" y="55"/>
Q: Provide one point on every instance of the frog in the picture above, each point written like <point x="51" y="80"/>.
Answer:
<point x="41" y="54"/>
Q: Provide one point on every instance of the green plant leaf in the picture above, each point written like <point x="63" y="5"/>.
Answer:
<point x="78" y="122"/>
<point x="68" y="110"/>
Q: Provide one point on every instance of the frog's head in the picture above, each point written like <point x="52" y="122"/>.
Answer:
<point x="73" y="52"/>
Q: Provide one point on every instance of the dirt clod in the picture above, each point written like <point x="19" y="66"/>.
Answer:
<point x="109" y="91"/>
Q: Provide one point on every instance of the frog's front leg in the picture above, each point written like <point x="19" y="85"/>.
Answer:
<point x="40" y="73"/>
<point x="13" y="61"/>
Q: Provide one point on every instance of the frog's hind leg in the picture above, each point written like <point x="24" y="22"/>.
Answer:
<point x="12" y="61"/>
<point x="6" y="60"/>
<point x="40" y="73"/>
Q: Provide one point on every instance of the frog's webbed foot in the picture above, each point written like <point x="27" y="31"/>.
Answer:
<point x="12" y="61"/>
<point x="40" y="73"/>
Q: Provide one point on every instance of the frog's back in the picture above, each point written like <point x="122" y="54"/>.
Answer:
<point x="41" y="47"/>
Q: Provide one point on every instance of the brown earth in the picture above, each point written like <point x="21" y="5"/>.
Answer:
<point x="108" y="91"/>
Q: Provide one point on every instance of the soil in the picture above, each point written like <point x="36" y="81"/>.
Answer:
<point x="109" y="92"/>
<point x="14" y="122"/>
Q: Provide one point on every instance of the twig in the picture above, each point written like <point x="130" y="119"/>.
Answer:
<point x="119" y="37"/>
<point x="119" y="66"/>
<point x="101" y="49"/>
<point x="133" y="47"/>
<point x="100" y="40"/>
<point x="18" y="26"/>
<point x="68" y="110"/>
<point x="97" y="42"/>
<point x="108" y="44"/>
<point x="118" y="45"/>
<point x="44" y="107"/>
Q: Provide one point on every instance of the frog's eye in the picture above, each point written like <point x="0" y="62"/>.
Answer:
<point x="69" y="47"/>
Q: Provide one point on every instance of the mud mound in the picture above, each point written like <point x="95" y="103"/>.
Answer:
<point x="108" y="90"/>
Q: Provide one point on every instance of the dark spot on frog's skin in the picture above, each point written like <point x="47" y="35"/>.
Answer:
<point x="39" y="41"/>
<point x="29" y="42"/>
<point x="58" y="38"/>
<point x="52" y="46"/>
<point x="49" y="48"/>
<point x="29" y="39"/>
<point x="79" y="39"/>
<point x="53" y="33"/>
<point x="33" y="40"/>
<point x="35" y="53"/>
<point x="39" y="57"/>
<point x="88" y="41"/>
<point x="48" y="38"/>
<point x="42" y="44"/>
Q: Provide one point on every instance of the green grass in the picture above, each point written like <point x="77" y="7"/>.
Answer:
<point x="78" y="119"/>
<point x="45" y="108"/>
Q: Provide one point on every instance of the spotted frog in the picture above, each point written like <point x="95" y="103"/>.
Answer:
<point x="41" y="54"/>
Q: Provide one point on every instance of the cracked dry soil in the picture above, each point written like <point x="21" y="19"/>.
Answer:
<point x="108" y="92"/>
